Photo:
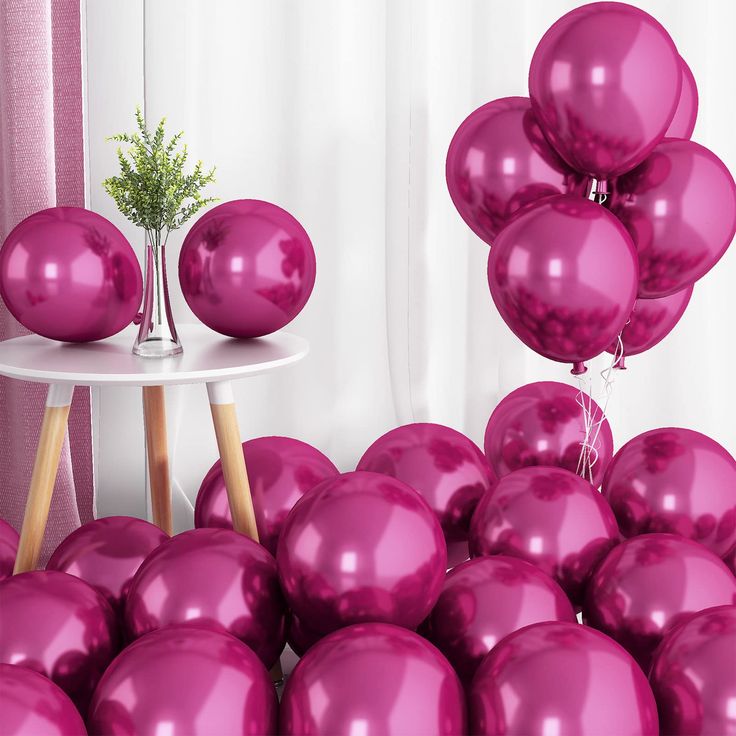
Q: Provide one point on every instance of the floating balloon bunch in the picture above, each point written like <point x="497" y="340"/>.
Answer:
<point x="246" y="269"/>
<point x="136" y="632"/>
<point x="608" y="120"/>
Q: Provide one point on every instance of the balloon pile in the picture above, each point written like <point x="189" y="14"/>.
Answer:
<point x="136" y="632"/>
<point x="129" y="631"/>
<point x="608" y="121"/>
<point x="246" y="269"/>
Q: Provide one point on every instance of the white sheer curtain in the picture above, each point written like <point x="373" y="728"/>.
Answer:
<point x="341" y="111"/>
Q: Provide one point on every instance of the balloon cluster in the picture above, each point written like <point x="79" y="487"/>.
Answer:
<point x="246" y="269"/>
<point x="608" y="120"/>
<point x="136" y="632"/>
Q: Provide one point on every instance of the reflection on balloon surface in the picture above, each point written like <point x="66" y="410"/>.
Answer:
<point x="562" y="678"/>
<point x="543" y="424"/>
<point x="549" y="517"/>
<point x="361" y="547"/>
<point x="649" y="584"/>
<point x="280" y="471"/>
<point x="675" y="480"/>
<point x="373" y="679"/>
<point x="182" y="680"/>
<point x="442" y="464"/>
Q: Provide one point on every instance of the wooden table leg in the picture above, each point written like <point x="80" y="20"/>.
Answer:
<point x="43" y="478"/>
<point x="222" y="405"/>
<point x="157" y="451"/>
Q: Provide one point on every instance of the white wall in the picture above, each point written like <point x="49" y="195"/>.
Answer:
<point x="341" y="111"/>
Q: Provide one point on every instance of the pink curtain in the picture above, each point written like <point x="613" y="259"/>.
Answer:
<point x="41" y="165"/>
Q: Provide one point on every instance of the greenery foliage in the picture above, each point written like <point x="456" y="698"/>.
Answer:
<point x="152" y="189"/>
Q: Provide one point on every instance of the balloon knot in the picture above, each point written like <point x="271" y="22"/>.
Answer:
<point x="578" y="368"/>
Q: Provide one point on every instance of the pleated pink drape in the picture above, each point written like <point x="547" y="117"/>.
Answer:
<point x="41" y="165"/>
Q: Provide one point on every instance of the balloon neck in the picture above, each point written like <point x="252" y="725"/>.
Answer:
<point x="620" y="364"/>
<point x="598" y="191"/>
<point x="138" y="318"/>
<point x="578" y="368"/>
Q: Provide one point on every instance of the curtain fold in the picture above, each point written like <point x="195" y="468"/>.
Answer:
<point x="41" y="165"/>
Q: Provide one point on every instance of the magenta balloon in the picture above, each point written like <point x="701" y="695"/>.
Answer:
<point x="675" y="480"/>
<point x="563" y="276"/>
<point x="442" y="464"/>
<point x="683" y="123"/>
<point x="549" y="517"/>
<point x="679" y="207"/>
<point x="246" y="268"/>
<point x="59" y="626"/>
<point x="543" y="424"/>
<point x="561" y="678"/>
<point x="361" y="547"/>
<point x="211" y="578"/>
<point x="8" y="549"/>
<point x="694" y="675"/>
<point x="300" y="637"/>
<point x="373" y="679"/>
<point x="189" y="681"/>
<point x="487" y="598"/>
<point x="70" y="274"/>
<point x="31" y="705"/>
<point x="499" y="161"/>
<point x="649" y="584"/>
<point x="106" y="553"/>
<point x="651" y="320"/>
<point x="280" y="471"/>
<point x="604" y="83"/>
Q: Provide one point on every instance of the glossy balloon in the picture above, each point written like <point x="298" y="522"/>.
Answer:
<point x="683" y="123"/>
<point x="605" y="82"/>
<point x="694" y="675"/>
<point x="246" y="268"/>
<point x="361" y="547"/>
<point x="8" y="549"/>
<point x="280" y="471"/>
<point x="212" y="578"/>
<point x="442" y="464"/>
<point x="651" y="320"/>
<point x="549" y="517"/>
<point x="189" y="681"/>
<point x="675" y="480"/>
<point x="70" y="274"/>
<point x="498" y="162"/>
<point x="561" y="678"/>
<point x="59" y="626"/>
<point x="487" y="598"/>
<point x="543" y="424"/>
<point x="679" y="207"/>
<point x="300" y="637"/>
<point x="373" y="679"/>
<point x="106" y="553"/>
<point x="31" y="705"/>
<point x="563" y="276"/>
<point x="649" y="584"/>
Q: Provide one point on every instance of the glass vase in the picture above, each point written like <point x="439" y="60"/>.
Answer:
<point x="157" y="336"/>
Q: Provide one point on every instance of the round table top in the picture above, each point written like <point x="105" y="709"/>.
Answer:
<point x="207" y="357"/>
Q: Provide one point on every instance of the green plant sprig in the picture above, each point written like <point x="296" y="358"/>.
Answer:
<point x="152" y="190"/>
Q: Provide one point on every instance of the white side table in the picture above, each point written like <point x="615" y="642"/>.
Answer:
<point x="208" y="358"/>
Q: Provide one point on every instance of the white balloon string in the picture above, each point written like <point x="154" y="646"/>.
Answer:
<point x="593" y="418"/>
